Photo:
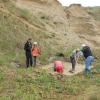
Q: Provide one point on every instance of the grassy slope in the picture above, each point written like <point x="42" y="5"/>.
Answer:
<point x="32" y="84"/>
<point x="16" y="26"/>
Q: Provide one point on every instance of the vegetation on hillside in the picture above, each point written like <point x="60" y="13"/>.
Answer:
<point x="29" y="84"/>
<point x="95" y="12"/>
<point x="19" y="83"/>
<point x="16" y="26"/>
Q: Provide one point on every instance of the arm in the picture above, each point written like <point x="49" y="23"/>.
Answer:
<point x="76" y="59"/>
<point x="32" y="48"/>
<point x="78" y="54"/>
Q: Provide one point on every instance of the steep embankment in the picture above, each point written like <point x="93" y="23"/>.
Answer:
<point x="14" y="31"/>
<point x="43" y="23"/>
<point x="84" y="24"/>
<point x="80" y="25"/>
<point x="46" y="22"/>
<point x="51" y="14"/>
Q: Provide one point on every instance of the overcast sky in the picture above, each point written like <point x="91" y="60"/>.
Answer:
<point x="82" y="2"/>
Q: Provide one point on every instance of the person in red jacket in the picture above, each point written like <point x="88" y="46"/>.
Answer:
<point x="35" y="52"/>
<point x="58" y="66"/>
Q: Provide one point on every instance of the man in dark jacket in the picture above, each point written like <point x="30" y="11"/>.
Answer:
<point x="87" y="53"/>
<point x="28" y="49"/>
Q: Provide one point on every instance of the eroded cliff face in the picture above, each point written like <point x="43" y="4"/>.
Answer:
<point x="65" y="27"/>
<point x="75" y="21"/>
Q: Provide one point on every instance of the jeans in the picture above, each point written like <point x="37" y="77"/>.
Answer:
<point x="34" y="60"/>
<point x="88" y="63"/>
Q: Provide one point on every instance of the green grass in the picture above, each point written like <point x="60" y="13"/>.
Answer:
<point x="34" y="83"/>
<point x="15" y="32"/>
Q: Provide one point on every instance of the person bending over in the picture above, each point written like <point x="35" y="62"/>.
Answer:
<point x="73" y="59"/>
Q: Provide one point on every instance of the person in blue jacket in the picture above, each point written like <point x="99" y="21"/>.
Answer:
<point x="87" y="53"/>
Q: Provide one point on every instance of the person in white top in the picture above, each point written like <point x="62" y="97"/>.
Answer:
<point x="74" y="58"/>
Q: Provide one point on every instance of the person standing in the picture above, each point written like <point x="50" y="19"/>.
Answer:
<point x="28" y="52"/>
<point x="73" y="58"/>
<point x="87" y="53"/>
<point x="35" y="52"/>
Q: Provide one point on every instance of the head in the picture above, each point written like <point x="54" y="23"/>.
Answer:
<point x="29" y="40"/>
<point x="35" y="43"/>
<point x="83" y="45"/>
<point x="77" y="50"/>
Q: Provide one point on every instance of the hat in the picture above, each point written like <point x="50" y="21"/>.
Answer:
<point x="29" y="39"/>
<point x="83" y="45"/>
<point x="35" y="43"/>
<point x="77" y="49"/>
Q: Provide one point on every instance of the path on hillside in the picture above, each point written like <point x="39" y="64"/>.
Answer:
<point x="67" y="67"/>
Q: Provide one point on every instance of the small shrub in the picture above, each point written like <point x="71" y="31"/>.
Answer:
<point x="94" y="98"/>
<point x="24" y="13"/>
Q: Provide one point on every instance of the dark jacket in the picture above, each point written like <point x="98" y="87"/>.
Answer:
<point x="28" y="46"/>
<point x="86" y="52"/>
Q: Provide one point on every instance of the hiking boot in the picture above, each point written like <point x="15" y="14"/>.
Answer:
<point x="72" y="71"/>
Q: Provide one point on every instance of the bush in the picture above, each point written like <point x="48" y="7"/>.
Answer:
<point x="24" y="13"/>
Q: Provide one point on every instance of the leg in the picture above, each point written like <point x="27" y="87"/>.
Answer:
<point x="88" y="63"/>
<point x="92" y="59"/>
<point x="54" y="69"/>
<point x="34" y="60"/>
<point x="27" y="60"/>
<point x="71" y="60"/>
<point x="73" y="64"/>
<point x="31" y="60"/>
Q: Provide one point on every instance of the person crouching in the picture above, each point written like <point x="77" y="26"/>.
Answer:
<point x="58" y="66"/>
